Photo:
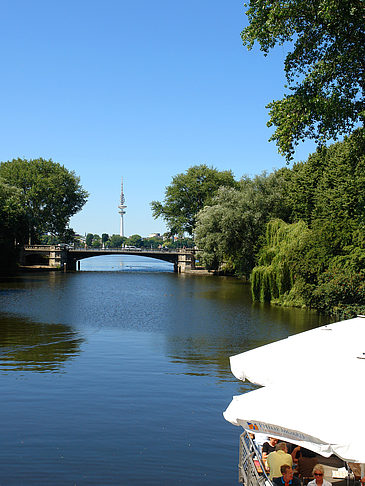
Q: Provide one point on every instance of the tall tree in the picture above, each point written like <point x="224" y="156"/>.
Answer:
<point x="51" y="194"/>
<point x="134" y="240"/>
<point x="11" y="212"/>
<point x="96" y="243"/>
<point x="324" y="70"/>
<point x="12" y="225"/>
<point x="116" y="241"/>
<point x="89" y="239"/>
<point x="229" y="230"/>
<point x="321" y="259"/>
<point x="187" y="194"/>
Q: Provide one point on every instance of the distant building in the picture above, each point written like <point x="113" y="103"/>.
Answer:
<point x="154" y="235"/>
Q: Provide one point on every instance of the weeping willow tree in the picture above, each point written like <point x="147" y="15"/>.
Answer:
<point x="274" y="276"/>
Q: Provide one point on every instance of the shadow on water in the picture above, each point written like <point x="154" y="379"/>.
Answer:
<point x="32" y="346"/>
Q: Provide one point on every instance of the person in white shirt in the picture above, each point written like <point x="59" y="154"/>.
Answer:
<point x="318" y="473"/>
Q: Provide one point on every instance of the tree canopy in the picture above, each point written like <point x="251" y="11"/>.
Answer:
<point x="51" y="194"/>
<point x="324" y="69"/>
<point x="319" y="259"/>
<point x="116" y="241"/>
<point x="12" y="224"/>
<point x="229" y="230"/>
<point x="187" y="194"/>
<point x="11" y="212"/>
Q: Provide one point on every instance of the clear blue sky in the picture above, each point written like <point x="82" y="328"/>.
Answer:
<point x="138" y="89"/>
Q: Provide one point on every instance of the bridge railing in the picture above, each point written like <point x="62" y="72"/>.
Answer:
<point x="42" y="247"/>
<point x="133" y="250"/>
<point x="116" y="250"/>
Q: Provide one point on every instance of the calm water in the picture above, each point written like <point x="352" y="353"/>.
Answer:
<point x="118" y="374"/>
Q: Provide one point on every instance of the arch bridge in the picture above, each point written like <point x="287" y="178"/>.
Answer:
<point x="68" y="258"/>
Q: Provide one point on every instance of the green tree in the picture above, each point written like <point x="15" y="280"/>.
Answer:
<point x="187" y="194"/>
<point x="12" y="225"/>
<point x="324" y="69"/>
<point x="89" y="239"/>
<point x="104" y="238"/>
<point x="229" y="230"/>
<point x="328" y="188"/>
<point x="276" y="273"/>
<point x="49" y="240"/>
<point x="134" y="240"/>
<point x="51" y="194"/>
<point x="11" y="212"/>
<point x="96" y="243"/>
<point x="324" y="254"/>
<point x="153" y="242"/>
<point x="116" y="241"/>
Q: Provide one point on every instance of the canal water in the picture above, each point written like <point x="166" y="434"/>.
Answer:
<point x="119" y="374"/>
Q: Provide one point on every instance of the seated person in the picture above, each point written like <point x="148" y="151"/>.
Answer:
<point x="287" y="477"/>
<point x="318" y="473"/>
<point x="277" y="459"/>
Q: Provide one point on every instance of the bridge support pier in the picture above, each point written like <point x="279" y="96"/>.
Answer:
<point x="71" y="264"/>
<point x="185" y="263"/>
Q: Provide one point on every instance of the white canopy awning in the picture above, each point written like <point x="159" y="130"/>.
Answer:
<point x="334" y="349"/>
<point x="313" y="390"/>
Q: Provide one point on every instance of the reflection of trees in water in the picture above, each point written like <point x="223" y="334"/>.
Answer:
<point x="207" y="349"/>
<point x="205" y="356"/>
<point x="32" y="346"/>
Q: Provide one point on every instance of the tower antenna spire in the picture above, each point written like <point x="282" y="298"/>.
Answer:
<point x="121" y="208"/>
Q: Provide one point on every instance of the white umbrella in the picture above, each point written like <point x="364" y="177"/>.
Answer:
<point x="313" y="395"/>
<point x="334" y="349"/>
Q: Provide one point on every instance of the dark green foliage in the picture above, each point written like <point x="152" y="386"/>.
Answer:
<point x="50" y="240"/>
<point x="134" y="240"/>
<point x="12" y="226"/>
<point x="12" y="213"/>
<point x="324" y="69"/>
<point x="89" y="239"/>
<point x="50" y="193"/>
<point x="96" y="243"/>
<point x="340" y="292"/>
<point x="116" y="241"/>
<point x="153" y="242"/>
<point x="329" y="186"/>
<point x="321" y="262"/>
<point x="178" y="243"/>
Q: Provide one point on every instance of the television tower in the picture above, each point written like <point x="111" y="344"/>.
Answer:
<point x="121" y="208"/>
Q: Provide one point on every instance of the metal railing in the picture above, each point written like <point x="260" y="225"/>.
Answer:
<point x="251" y="470"/>
<point x="116" y="250"/>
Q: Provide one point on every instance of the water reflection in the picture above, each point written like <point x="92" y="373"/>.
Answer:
<point x="146" y="394"/>
<point x="32" y="346"/>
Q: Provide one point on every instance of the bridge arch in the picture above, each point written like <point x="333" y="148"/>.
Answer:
<point x="67" y="258"/>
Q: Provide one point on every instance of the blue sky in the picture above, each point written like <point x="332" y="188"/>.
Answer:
<point x="137" y="89"/>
